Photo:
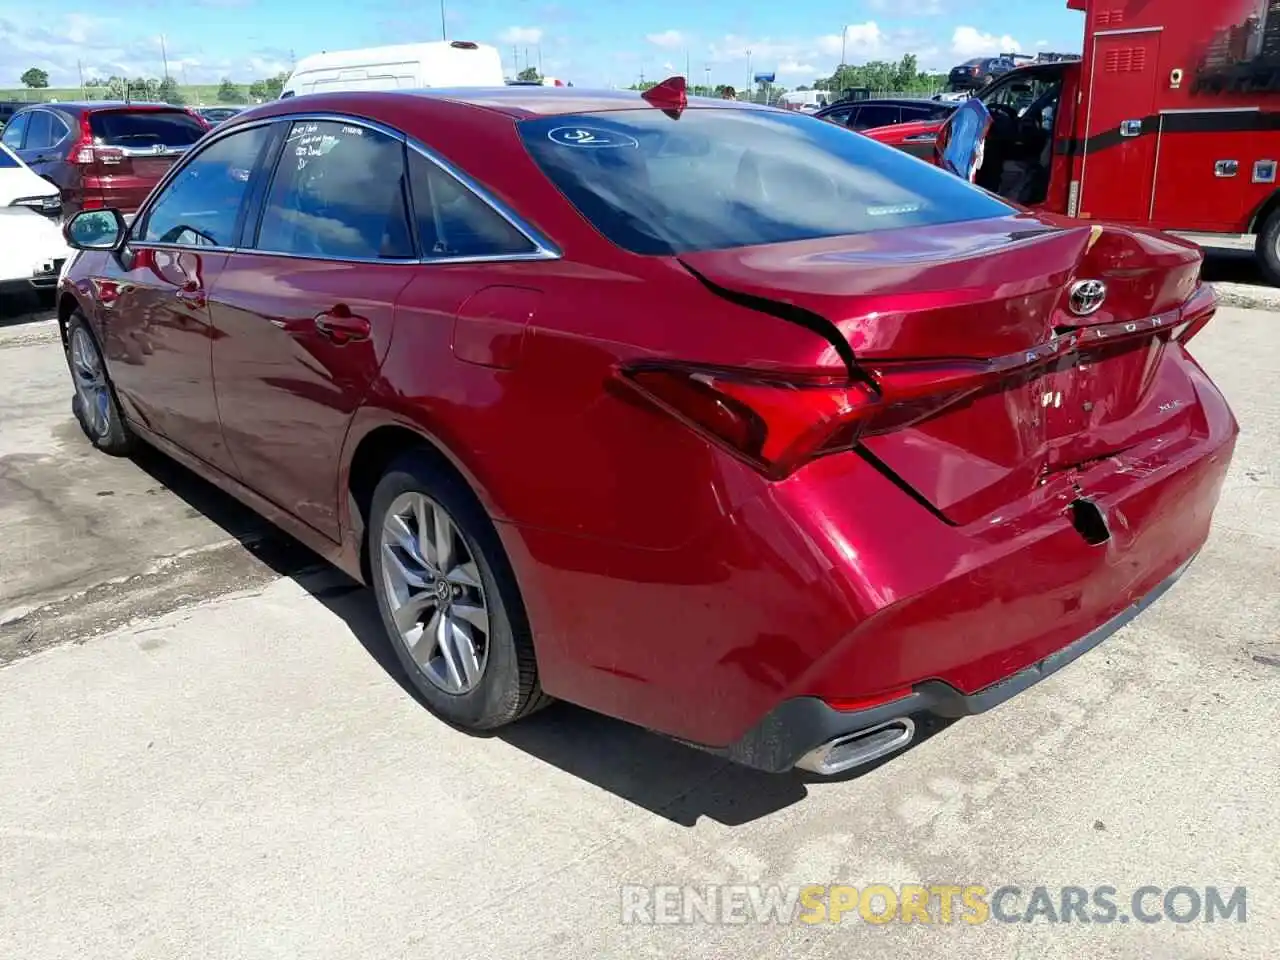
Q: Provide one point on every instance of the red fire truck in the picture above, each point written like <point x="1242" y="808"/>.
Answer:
<point x="1171" y="120"/>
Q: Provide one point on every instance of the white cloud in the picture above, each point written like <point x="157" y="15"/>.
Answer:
<point x="668" y="39"/>
<point x="1042" y="43"/>
<point x="858" y="41"/>
<point x="792" y="68"/>
<point x="669" y="67"/>
<point x="521" y="35"/>
<point x="106" y="46"/>
<point x="972" y="42"/>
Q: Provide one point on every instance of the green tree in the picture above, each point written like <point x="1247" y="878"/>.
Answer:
<point x="35" y="79"/>
<point x="268" y="88"/>
<point x="117" y="88"/>
<point x="528" y="74"/>
<point x="167" y="91"/>
<point x="228" y="92"/>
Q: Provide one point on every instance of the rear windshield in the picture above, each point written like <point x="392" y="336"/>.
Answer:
<point x="144" y="128"/>
<point x="722" y="178"/>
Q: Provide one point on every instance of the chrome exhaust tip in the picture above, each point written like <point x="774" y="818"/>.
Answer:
<point x="851" y="750"/>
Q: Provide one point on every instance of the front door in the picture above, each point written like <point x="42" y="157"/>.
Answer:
<point x="158" y="331"/>
<point x="1121" y="128"/>
<point x="304" y="314"/>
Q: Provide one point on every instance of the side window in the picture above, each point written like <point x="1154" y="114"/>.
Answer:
<point x="838" y="117"/>
<point x="453" y="221"/>
<point x="39" y="130"/>
<point x="338" y="191"/>
<point x="14" y="130"/>
<point x="878" y="116"/>
<point x="201" y="204"/>
<point x="60" y="130"/>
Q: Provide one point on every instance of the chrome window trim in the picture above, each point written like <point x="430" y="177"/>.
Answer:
<point x="543" y="247"/>
<point x="178" y="247"/>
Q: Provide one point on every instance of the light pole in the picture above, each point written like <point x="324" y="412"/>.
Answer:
<point x="444" y="32"/>
<point x="751" y="80"/>
<point x="844" y="35"/>
<point x="707" y="70"/>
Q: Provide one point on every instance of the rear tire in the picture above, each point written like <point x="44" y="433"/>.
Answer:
<point x="448" y="598"/>
<point x="94" y="403"/>
<point x="1268" y="248"/>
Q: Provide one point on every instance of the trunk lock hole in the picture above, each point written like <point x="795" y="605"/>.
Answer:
<point x="1089" y="522"/>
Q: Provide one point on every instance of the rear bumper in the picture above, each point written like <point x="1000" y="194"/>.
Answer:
<point x="798" y="726"/>
<point x="838" y="585"/>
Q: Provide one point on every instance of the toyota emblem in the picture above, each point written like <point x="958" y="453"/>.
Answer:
<point x="1087" y="297"/>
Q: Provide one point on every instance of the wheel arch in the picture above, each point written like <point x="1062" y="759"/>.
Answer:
<point x="371" y="447"/>
<point x="1264" y="211"/>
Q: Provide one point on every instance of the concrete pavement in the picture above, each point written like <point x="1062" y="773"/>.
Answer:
<point x="246" y="776"/>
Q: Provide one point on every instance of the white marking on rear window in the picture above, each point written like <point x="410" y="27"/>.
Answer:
<point x="590" y="137"/>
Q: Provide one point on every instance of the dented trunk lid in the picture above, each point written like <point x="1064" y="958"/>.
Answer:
<point x="1079" y="388"/>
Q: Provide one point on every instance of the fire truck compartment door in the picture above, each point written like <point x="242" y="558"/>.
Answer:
<point x="1205" y="176"/>
<point x="1120" y="154"/>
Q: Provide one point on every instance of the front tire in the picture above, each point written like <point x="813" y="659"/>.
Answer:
<point x="94" y="404"/>
<point x="1268" y="248"/>
<point x="448" y="599"/>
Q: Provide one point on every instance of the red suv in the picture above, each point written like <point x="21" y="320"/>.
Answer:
<point x="701" y="414"/>
<point x="102" y="154"/>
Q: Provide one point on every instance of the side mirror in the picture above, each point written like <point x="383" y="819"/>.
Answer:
<point x="96" y="230"/>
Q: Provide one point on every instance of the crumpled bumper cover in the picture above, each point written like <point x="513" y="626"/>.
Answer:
<point x="797" y="726"/>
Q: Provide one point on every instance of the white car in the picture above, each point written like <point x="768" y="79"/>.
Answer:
<point x="22" y="186"/>
<point x="32" y="249"/>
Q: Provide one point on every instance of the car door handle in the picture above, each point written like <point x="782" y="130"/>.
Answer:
<point x="342" y="326"/>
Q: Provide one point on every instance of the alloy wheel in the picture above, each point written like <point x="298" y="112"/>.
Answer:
<point x="434" y="592"/>
<point x="91" y="383"/>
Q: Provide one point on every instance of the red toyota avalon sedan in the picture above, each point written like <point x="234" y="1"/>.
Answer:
<point x="711" y="417"/>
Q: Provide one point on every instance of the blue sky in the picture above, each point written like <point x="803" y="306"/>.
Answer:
<point x="591" y="42"/>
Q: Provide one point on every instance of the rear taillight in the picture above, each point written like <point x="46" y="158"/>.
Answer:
<point x="777" y="422"/>
<point x="85" y="152"/>
<point x="1199" y="309"/>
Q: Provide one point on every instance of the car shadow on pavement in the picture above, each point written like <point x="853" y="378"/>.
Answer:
<point x="674" y="781"/>
<point x="1232" y="266"/>
<point x="20" y="308"/>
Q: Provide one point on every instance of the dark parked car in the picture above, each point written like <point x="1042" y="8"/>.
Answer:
<point x="216" y="115"/>
<point x="868" y="114"/>
<point x="979" y="72"/>
<point x="700" y="414"/>
<point x="102" y="154"/>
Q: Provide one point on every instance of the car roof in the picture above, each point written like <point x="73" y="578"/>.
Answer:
<point x="519" y="102"/>
<point x="88" y="106"/>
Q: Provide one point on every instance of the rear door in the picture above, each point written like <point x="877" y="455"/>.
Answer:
<point x="1121" y="128"/>
<point x="134" y="148"/>
<point x="304" y="310"/>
